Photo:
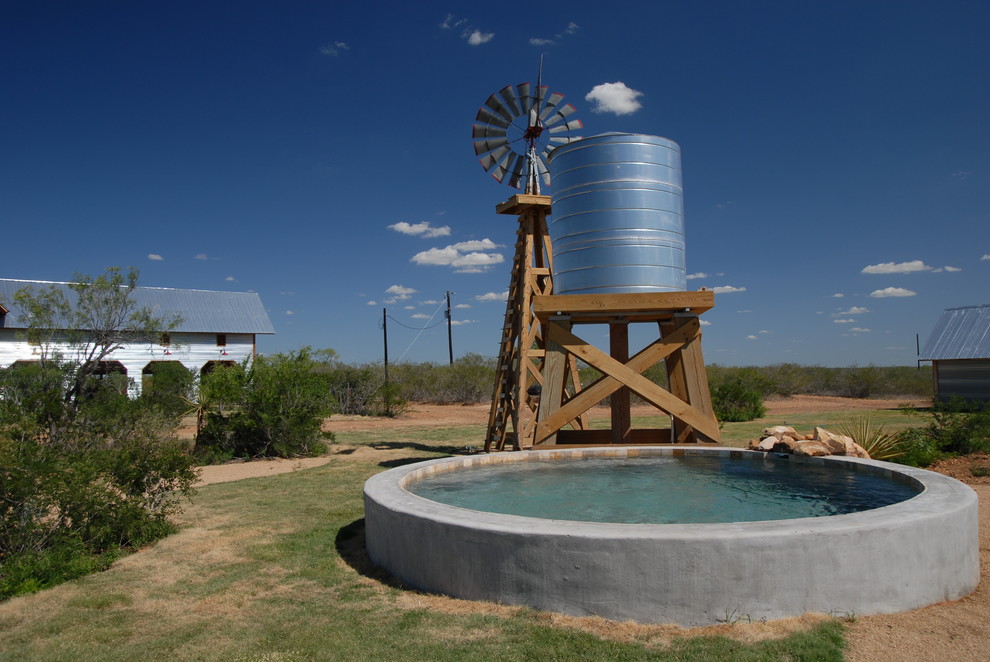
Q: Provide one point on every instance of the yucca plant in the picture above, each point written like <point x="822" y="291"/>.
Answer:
<point x="878" y="442"/>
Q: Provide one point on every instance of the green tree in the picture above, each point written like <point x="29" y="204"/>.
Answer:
<point x="84" y="470"/>
<point x="99" y="317"/>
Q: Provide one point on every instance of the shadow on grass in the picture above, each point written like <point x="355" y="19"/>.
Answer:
<point x="426" y="448"/>
<point x="350" y="546"/>
<point x="402" y="461"/>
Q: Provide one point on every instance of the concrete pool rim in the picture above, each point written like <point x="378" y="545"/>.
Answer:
<point x="898" y="557"/>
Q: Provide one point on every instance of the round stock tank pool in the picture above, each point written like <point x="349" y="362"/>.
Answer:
<point x="776" y="537"/>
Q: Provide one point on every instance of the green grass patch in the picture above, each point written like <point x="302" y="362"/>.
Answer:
<point x="273" y="569"/>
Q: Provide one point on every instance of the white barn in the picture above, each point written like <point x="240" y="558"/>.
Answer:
<point x="216" y="328"/>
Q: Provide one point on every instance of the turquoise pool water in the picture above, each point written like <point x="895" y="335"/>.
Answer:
<point x="664" y="490"/>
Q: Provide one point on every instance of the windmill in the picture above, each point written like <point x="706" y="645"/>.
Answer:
<point x="514" y="132"/>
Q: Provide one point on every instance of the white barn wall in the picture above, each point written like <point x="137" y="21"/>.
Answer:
<point x="192" y="350"/>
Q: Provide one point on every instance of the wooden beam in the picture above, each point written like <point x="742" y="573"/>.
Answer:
<point x="618" y="347"/>
<point x="607" y="384"/>
<point x="639" y="384"/>
<point x="652" y="305"/>
<point x="517" y="205"/>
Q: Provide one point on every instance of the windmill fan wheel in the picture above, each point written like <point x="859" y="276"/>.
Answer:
<point x="516" y="129"/>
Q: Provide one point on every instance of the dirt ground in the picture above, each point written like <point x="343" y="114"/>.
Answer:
<point x="957" y="631"/>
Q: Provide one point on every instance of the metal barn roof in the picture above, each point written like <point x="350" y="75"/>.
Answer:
<point x="960" y="333"/>
<point x="202" y="311"/>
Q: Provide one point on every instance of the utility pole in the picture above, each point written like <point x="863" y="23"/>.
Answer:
<point x="385" y="338"/>
<point x="450" y="338"/>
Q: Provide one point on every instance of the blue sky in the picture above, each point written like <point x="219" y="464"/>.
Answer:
<point x="836" y="158"/>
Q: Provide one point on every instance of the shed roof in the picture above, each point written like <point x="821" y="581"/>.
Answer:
<point x="960" y="333"/>
<point x="202" y="311"/>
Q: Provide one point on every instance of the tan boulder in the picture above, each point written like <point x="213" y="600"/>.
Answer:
<point x="781" y="431"/>
<point x="840" y="443"/>
<point x="765" y="444"/>
<point x="813" y="448"/>
<point x="784" y="445"/>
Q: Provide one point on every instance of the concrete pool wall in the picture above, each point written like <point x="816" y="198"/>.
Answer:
<point x="889" y="559"/>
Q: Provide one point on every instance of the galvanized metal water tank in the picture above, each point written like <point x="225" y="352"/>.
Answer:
<point x="618" y="215"/>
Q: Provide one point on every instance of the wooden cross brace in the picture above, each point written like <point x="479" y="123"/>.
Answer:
<point x="688" y="401"/>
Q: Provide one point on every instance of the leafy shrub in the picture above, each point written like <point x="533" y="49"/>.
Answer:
<point x="271" y="406"/>
<point x="736" y="400"/>
<point x="171" y="387"/>
<point x="81" y="479"/>
<point x="919" y="447"/>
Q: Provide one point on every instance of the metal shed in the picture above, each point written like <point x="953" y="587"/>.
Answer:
<point x="959" y="349"/>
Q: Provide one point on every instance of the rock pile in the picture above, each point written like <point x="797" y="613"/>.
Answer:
<point x="784" y="439"/>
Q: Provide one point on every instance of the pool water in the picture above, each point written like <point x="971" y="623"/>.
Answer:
<point x="664" y="490"/>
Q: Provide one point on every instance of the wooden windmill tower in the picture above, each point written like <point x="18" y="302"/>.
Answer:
<point x="513" y="133"/>
<point x="538" y="390"/>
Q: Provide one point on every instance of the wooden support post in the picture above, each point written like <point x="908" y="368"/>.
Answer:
<point x="618" y="338"/>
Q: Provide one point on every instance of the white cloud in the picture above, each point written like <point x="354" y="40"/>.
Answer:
<point x="838" y="295"/>
<point x="420" y="316"/>
<point x="700" y="274"/>
<point x="200" y="256"/>
<point x="536" y="41"/>
<point x="450" y="22"/>
<point x="952" y="269"/>
<point x="896" y="267"/>
<point x="230" y="279"/>
<point x="491" y="296"/>
<point x="290" y="312"/>
<point x="572" y="28"/>
<point x="155" y="257"/>
<point x="399" y="293"/>
<point x="424" y="229"/>
<point x="465" y="256"/>
<point x="986" y="256"/>
<point x="476" y="245"/>
<point x="705" y="323"/>
<point x="372" y="303"/>
<point x="334" y="48"/>
<point x="844" y="321"/>
<point x="462" y="305"/>
<point x="614" y="98"/>
<point x="476" y="259"/>
<point x="856" y="329"/>
<point x="460" y="322"/>
<point x="750" y="337"/>
<point x="892" y="292"/>
<point x="855" y="310"/>
<point x="726" y="289"/>
<point x="477" y="37"/>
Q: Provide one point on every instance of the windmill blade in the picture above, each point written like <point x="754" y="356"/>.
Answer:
<point x="524" y="98"/>
<point x="562" y="113"/>
<point x="496" y="104"/>
<point x="552" y="102"/>
<point x="517" y="172"/>
<point x="482" y="146"/>
<point x="541" y="93"/>
<point x="488" y="117"/>
<point x="569" y="126"/>
<point x="563" y="140"/>
<point x="503" y="167"/>
<point x="544" y="172"/>
<point x="489" y="160"/>
<point x="508" y="93"/>
<point x="486" y="131"/>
